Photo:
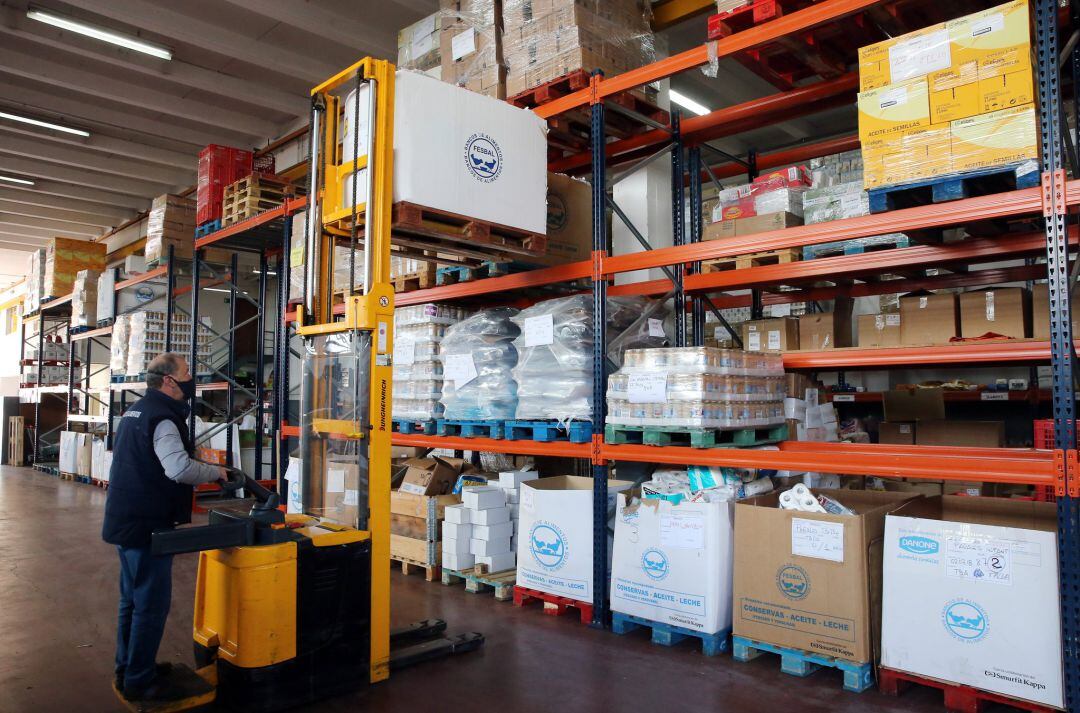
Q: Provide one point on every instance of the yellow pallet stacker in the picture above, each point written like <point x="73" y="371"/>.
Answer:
<point x="294" y="608"/>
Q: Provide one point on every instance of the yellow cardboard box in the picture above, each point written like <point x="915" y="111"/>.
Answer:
<point x="914" y="155"/>
<point x="909" y="56"/>
<point x="998" y="138"/>
<point x="892" y="110"/>
<point x="959" y="102"/>
<point x="1005" y="91"/>
<point x="998" y="40"/>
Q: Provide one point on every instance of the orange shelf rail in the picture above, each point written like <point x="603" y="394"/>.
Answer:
<point x="289" y="207"/>
<point x="958" y="354"/>
<point x="496" y="445"/>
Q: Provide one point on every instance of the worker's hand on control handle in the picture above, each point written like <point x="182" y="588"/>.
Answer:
<point x="223" y="474"/>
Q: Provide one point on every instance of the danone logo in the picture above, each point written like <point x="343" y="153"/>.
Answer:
<point x="793" y="581"/>
<point x="547" y="544"/>
<point x="483" y="157"/>
<point x="655" y="564"/>
<point x="918" y="545"/>
<point x="965" y="620"/>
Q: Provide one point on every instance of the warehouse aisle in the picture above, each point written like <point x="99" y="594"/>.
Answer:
<point x="58" y="594"/>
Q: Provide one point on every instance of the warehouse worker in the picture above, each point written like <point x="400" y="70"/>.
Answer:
<point x="150" y="488"/>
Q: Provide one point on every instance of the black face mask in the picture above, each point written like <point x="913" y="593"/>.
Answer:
<point x="187" y="388"/>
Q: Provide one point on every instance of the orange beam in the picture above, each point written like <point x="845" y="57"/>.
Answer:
<point x="516" y="281"/>
<point x="787" y="157"/>
<point x="148" y="275"/>
<point x="290" y="206"/>
<point x="958" y="353"/>
<point x="495" y="445"/>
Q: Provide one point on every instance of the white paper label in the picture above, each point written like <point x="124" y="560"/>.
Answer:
<point x="420" y="46"/>
<point x="463" y="44"/>
<point x="352" y="497"/>
<point x="923" y="301"/>
<point x="842" y="398"/>
<point x="538" y="331"/>
<point x="817" y="538"/>
<point x="335" y="480"/>
<point x="682" y="531"/>
<point x="892" y="320"/>
<point x="381" y="330"/>
<point x="979" y="560"/>
<point x="994" y="396"/>
<point x="425" y="26"/>
<point x="853" y="205"/>
<point x="989" y="307"/>
<point x="656" y="327"/>
<point x="985" y="26"/>
<point x="527" y="499"/>
<point x="647" y="388"/>
<point x="919" y="56"/>
<point x="754" y="342"/>
<point x="720" y="333"/>
<point x="459" y="368"/>
<point x="879" y="322"/>
<point x="774" y="339"/>
<point x="404" y="352"/>
<point x="783" y="310"/>
<point x="893" y="97"/>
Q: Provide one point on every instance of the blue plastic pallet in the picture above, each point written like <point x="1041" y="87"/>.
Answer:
<point x="208" y="227"/>
<point x="548" y="431"/>
<point x="953" y="187"/>
<point x="855" y="246"/>
<point x="79" y="330"/>
<point x="469" y="429"/>
<point x="410" y="426"/>
<point x="453" y="274"/>
<point x="669" y="635"/>
<point x="857" y="676"/>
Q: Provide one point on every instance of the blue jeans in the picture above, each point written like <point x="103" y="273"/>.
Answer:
<point x="145" y="597"/>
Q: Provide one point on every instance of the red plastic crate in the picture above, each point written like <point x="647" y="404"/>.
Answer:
<point x="218" y="167"/>
<point x="1044" y="433"/>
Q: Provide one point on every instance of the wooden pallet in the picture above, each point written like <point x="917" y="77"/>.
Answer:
<point x="554" y="605"/>
<point x="857" y="676"/>
<point x="743" y="262"/>
<point x="252" y="195"/>
<point x="16" y="440"/>
<point x="408" y="566"/>
<point x="954" y="187"/>
<point x="419" y="280"/>
<point x="668" y="634"/>
<point x="958" y="698"/>
<point x="470" y="428"/>
<point x="477" y="581"/>
<point x="856" y="246"/>
<point x="548" y="431"/>
<point x="618" y="434"/>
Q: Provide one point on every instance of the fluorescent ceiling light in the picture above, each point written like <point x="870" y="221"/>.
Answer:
<point x="688" y="103"/>
<point x="98" y="33"/>
<point x="12" y="179"/>
<point x="46" y="124"/>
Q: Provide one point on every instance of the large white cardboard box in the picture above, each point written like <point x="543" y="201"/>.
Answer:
<point x="555" y="553"/>
<point x="971" y="595"/>
<point x="672" y="563"/>
<point x="460" y="152"/>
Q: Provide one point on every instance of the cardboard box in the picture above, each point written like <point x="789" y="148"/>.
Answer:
<point x="971" y="595"/>
<point x="996" y="40"/>
<point x="891" y="110"/>
<point x="927" y="318"/>
<point x="672" y="563"/>
<point x="1001" y="310"/>
<point x="336" y="497"/>
<point x="904" y="57"/>
<point x="965" y="434"/>
<point x="811" y="581"/>
<point x="569" y="221"/>
<point x="826" y="330"/>
<point x="555" y="549"/>
<point x="879" y="330"/>
<point x="1005" y="91"/>
<point x="957" y="102"/>
<point x="730" y="227"/>
<point x="1040" y="312"/>
<point x="777" y="334"/>
<point x="897" y="434"/>
<point x="999" y="138"/>
<point x="902" y="405"/>
<point x="430" y="476"/>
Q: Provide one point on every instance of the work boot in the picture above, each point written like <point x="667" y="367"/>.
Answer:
<point x="161" y="689"/>
<point x="161" y="668"/>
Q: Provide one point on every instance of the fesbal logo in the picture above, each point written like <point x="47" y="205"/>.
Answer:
<point x="547" y="545"/>
<point x="655" y="564"/>
<point x="483" y="158"/>
<point x="965" y="620"/>
<point x="793" y="581"/>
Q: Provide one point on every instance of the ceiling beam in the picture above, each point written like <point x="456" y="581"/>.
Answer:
<point x="20" y="243"/>
<point x="187" y="29"/>
<point x="26" y="231"/>
<point x="79" y="176"/>
<point x="15" y="24"/>
<point x="81" y="77"/>
<point x="77" y="109"/>
<point x="95" y="161"/>
<point x="102" y="143"/>
<point x="56" y="227"/>
<point x="105" y="200"/>
<point x="347" y="31"/>
<point x="66" y="216"/>
<point x="110" y="215"/>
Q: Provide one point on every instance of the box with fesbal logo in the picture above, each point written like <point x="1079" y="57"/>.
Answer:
<point x="671" y="563"/>
<point x="812" y="581"/>
<point x="555" y="535"/>
<point x="971" y="595"/>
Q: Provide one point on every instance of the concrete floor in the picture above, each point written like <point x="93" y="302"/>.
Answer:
<point x="57" y="615"/>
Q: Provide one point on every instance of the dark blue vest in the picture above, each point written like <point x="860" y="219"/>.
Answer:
<point x="141" y="498"/>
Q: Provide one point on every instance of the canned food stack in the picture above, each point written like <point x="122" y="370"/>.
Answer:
<point x="84" y="299"/>
<point x="478" y="357"/>
<point x="418" y="375"/>
<point x="146" y="339"/>
<point x="697" y="387"/>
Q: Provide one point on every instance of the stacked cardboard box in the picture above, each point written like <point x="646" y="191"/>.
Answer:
<point x="419" y="46"/>
<point x="1005" y="311"/>
<point x="84" y="299"/>
<point x="771" y="202"/>
<point x="418" y="373"/>
<point x="483" y="529"/>
<point x="64" y="258"/>
<point x="844" y="167"/>
<point x="1040" y="312"/>
<point x="569" y="221"/>
<point x="171" y="222"/>
<point x="470" y="46"/>
<point x="418" y="506"/>
<point x="954" y="97"/>
<point x="548" y="39"/>
<point x="146" y="340"/>
<point x="35" y="280"/>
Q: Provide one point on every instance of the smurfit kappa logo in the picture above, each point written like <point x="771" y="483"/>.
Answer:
<point x="655" y="564"/>
<point x="547" y="544"/>
<point x="965" y="620"/>
<point x="793" y="581"/>
<point x="919" y="545"/>
<point x="483" y="157"/>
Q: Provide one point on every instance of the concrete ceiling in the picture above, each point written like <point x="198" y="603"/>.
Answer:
<point x="240" y="74"/>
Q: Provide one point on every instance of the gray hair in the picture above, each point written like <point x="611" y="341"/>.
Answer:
<point x="161" y="366"/>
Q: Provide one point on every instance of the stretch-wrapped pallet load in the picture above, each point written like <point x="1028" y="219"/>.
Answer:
<point x="35" y="279"/>
<point x="84" y="299"/>
<point x="146" y="339"/>
<point x="544" y="40"/>
<point x="118" y="345"/>
<point x="697" y="387"/>
<point x="470" y="46"/>
<point x="478" y="357"/>
<point x="64" y="258"/>
<point x="418" y="45"/>
<point x="342" y="259"/>
<point x="171" y="222"/>
<point x="418" y="373"/>
<point x="830" y="170"/>
<point x="951" y="98"/>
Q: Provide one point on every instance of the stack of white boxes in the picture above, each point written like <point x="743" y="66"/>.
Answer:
<point x="483" y="529"/>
